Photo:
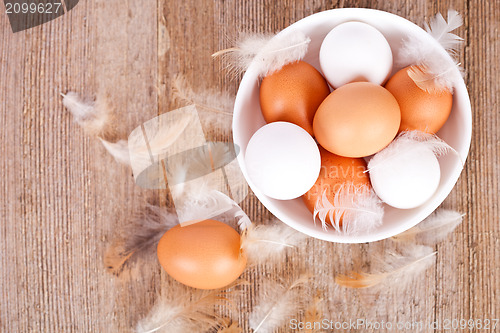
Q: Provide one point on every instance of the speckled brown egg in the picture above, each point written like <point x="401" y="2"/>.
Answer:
<point x="204" y="255"/>
<point x="420" y="110"/>
<point x="293" y="94"/>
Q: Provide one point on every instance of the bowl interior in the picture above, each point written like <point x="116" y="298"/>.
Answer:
<point x="456" y="132"/>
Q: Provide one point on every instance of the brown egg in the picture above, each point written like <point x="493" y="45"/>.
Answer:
<point x="293" y="94"/>
<point x="204" y="255"/>
<point x="420" y="110"/>
<point x="357" y="120"/>
<point x="336" y="171"/>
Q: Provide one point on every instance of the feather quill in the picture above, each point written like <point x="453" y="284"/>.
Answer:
<point x="433" y="71"/>
<point x="355" y="209"/>
<point x="277" y="303"/>
<point x="409" y="142"/>
<point x="395" y="269"/>
<point x="268" y="53"/>
<point x="433" y="229"/>
<point x="266" y="243"/>
<point x="184" y="311"/>
<point x="139" y="240"/>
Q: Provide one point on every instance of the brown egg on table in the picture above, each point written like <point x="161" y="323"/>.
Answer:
<point x="293" y="94"/>
<point x="204" y="255"/>
<point x="356" y="120"/>
<point x="420" y="110"/>
<point x="336" y="171"/>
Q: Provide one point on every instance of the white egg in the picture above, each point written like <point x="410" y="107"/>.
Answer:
<point x="282" y="160"/>
<point x="408" y="179"/>
<point x="355" y="51"/>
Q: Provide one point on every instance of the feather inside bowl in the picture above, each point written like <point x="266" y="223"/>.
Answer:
<point x="456" y="132"/>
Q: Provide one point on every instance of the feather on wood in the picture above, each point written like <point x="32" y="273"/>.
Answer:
<point x="433" y="229"/>
<point x="276" y="303"/>
<point x="139" y="240"/>
<point x="395" y="269"/>
<point x="266" y="243"/>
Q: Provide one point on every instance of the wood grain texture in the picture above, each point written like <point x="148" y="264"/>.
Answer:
<point x="64" y="198"/>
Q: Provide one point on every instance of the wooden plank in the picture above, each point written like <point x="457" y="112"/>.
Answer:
<point x="63" y="195"/>
<point x="483" y="171"/>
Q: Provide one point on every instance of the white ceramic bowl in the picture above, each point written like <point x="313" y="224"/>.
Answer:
<point x="456" y="132"/>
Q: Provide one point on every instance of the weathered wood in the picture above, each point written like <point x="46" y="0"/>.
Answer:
<point x="63" y="197"/>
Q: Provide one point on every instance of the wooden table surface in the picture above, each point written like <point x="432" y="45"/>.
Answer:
<point x="64" y="197"/>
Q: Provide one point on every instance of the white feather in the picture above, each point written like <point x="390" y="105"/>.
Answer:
<point x="268" y="53"/>
<point x="355" y="209"/>
<point x="442" y="30"/>
<point x="433" y="229"/>
<point x="266" y="243"/>
<point x="237" y="213"/>
<point x="277" y="303"/>
<point x="95" y="118"/>
<point x="244" y="221"/>
<point x="183" y="311"/>
<point x="119" y="150"/>
<point x="203" y="205"/>
<point x="393" y="270"/>
<point x="436" y="72"/>
<point x="91" y="118"/>
<point x="408" y="142"/>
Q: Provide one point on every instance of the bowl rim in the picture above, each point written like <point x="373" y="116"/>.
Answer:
<point x="248" y="80"/>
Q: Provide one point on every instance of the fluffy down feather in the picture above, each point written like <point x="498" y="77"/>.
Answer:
<point x="139" y="240"/>
<point x="277" y="302"/>
<point x="433" y="229"/>
<point x="266" y="243"/>
<point x="394" y="269"/>
<point x="407" y="142"/>
<point x="269" y="53"/>
<point x="184" y="311"/>
<point x="95" y="118"/>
